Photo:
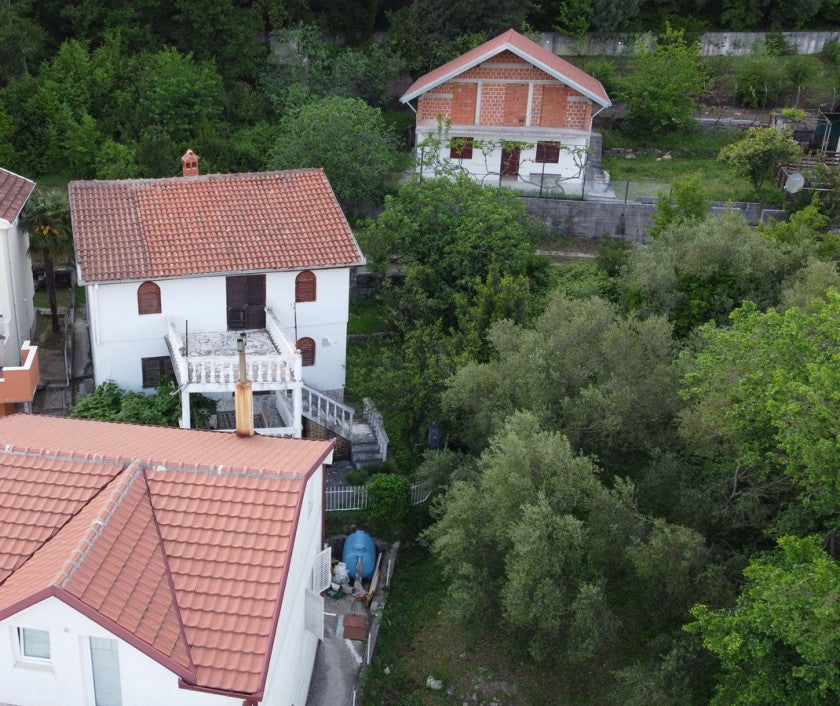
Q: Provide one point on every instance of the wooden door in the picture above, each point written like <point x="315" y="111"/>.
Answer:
<point x="510" y="163"/>
<point x="245" y="302"/>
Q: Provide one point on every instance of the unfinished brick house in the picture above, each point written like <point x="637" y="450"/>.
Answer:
<point x="508" y="112"/>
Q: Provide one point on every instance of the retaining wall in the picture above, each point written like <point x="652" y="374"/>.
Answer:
<point x="711" y="43"/>
<point x="625" y="221"/>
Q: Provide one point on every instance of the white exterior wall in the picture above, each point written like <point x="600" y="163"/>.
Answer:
<point x="485" y="166"/>
<point x="16" y="291"/>
<point x="293" y="653"/>
<point x="67" y="679"/>
<point x="120" y="336"/>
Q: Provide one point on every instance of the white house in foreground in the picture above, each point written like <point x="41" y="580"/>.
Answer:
<point x="146" y="565"/>
<point x="176" y="269"/>
<point x="508" y="112"/>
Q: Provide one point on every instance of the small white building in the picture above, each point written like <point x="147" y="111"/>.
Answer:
<point x="17" y="310"/>
<point x="509" y="113"/>
<point x="147" y="565"/>
<point x="175" y="270"/>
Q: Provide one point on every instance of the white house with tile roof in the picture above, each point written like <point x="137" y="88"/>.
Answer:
<point x="176" y="269"/>
<point x="145" y="565"/>
<point x="510" y="113"/>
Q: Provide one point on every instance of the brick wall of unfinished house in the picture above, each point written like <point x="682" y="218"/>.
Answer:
<point x="506" y="104"/>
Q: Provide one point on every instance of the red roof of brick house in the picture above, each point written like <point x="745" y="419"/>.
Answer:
<point x="525" y="49"/>
<point x="177" y="541"/>
<point x="14" y="192"/>
<point x="139" y="229"/>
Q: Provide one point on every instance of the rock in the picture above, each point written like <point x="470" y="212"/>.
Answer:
<point x="450" y="690"/>
<point x="387" y="671"/>
<point x="667" y="155"/>
<point x="463" y="655"/>
<point x="630" y="156"/>
<point x="433" y="683"/>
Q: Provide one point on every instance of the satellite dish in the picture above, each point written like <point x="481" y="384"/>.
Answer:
<point x="794" y="182"/>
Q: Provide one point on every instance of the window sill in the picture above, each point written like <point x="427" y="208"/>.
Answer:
<point x="35" y="666"/>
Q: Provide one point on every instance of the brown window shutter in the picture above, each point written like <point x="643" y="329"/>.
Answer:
<point x="306" y="346"/>
<point x="148" y="298"/>
<point x="305" y="287"/>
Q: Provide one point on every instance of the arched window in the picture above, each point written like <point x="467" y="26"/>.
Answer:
<point x="305" y="287"/>
<point x="306" y="346"/>
<point x="148" y="298"/>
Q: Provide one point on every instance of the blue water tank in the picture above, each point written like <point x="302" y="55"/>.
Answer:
<point x="359" y="544"/>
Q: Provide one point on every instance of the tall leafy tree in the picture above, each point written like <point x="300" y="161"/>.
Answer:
<point x="344" y="136"/>
<point x="661" y="91"/>
<point x="779" y="644"/>
<point x="46" y="217"/>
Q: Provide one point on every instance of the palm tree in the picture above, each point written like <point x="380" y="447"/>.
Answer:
<point x="47" y="219"/>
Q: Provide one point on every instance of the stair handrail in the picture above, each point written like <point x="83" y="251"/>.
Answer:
<point x="377" y="425"/>
<point x="275" y="333"/>
<point x="342" y="414"/>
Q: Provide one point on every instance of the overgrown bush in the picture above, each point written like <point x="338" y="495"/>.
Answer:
<point x="831" y="51"/>
<point x="758" y="80"/>
<point x="358" y="476"/>
<point x="389" y="499"/>
<point x="110" y="403"/>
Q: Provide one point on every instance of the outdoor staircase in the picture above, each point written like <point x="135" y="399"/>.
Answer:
<point x="368" y="440"/>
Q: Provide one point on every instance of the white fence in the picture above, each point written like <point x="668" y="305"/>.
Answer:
<point x="353" y="497"/>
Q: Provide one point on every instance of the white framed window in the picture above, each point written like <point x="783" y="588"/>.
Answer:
<point x="34" y="644"/>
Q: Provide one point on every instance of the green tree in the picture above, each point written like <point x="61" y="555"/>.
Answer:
<point x="764" y="410"/>
<point x="606" y="381"/>
<point x="570" y="560"/>
<point x="761" y="152"/>
<point x="661" y="91"/>
<point x="779" y="644"/>
<point x="698" y="271"/>
<point x="347" y="138"/>
<point x="176" y="91"/>
<point x="448" y="233"/>
<point x="688" y="200"/>
<point x="46" y="217"/>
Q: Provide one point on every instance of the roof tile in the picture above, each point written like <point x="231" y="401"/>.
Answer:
<point x="524" y="47"/>
<point x="14" y="193"/>
<point x="193" y="575"/>
<point x="157" y="228"/>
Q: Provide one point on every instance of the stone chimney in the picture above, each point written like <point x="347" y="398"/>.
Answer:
<point x="189" y="163"/>
<point x="243" y="395"/>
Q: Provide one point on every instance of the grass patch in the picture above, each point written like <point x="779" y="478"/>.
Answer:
<point x="417" y="640"/>
<point x="690" y="153"/>
<point x="45" y="337"/>
<point x="367" y="316"/>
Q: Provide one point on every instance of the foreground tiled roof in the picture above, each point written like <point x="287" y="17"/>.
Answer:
<point x="14" y="192"/>
<point x="524" y="48"/>
<point x="156" y="228"/>
<point x="177" y="553"/>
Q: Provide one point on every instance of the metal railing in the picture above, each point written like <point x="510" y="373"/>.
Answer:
<point x="352" y="497"/>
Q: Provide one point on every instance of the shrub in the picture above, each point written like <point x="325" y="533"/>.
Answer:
<point x="389" y="499"/>
<point x="604" y="70"/>
<point x="758" y="79"/>
<point x="358" y="476"/>
<point x="831" y="51"/>
<point x="387" y="466"/>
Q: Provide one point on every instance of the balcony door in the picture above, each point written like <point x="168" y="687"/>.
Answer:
<point x="245" y="302"/>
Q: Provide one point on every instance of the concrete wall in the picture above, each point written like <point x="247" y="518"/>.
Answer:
<point x="293" y="653"/>
<point x="711" y="43"/>
<point x="17" y="310"/>
<point x="120" y="336"/>
<point x="66" y="678"/>
<point x="625" y="221"/>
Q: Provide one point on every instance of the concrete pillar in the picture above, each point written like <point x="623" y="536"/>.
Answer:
<point x="297" y="409"/>
<point x="184" y="421"/>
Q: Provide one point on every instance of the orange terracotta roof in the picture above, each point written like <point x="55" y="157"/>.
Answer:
<point x="184" y="559"/>
<point x="156" y="228"/>
<point x="524" y="48"/>
<point x="14" y="192"/>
